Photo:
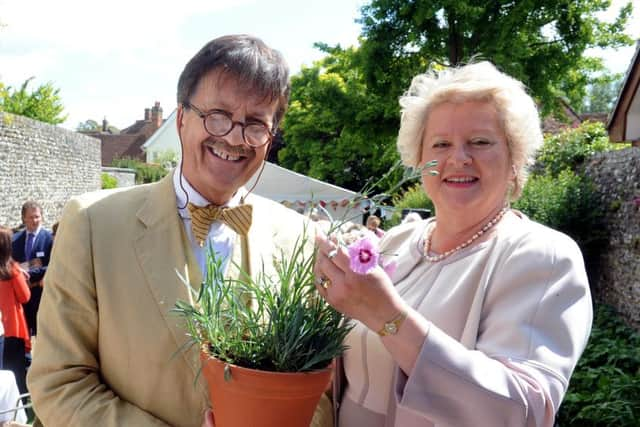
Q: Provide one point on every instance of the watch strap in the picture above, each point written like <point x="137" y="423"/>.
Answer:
<point x="393" y="326"/>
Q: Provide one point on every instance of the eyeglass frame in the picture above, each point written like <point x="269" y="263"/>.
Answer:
<point x="271" y="134"/>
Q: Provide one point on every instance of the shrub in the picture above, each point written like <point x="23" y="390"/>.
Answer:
<point x="145" y="172"/>
<point x="567" y="202"/>
<point x="108" y="181"/>
<point x="414" y="197"/>
<point x="560" y="196"/>
<point x="605" y="387"/>
<point x="570" y="148"/>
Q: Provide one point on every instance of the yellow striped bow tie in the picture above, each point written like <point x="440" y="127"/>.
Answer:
<point x="238" y="218"/>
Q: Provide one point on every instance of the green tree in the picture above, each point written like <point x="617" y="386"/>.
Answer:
<point x="42" y="104"/>
<point x="602" y="94"/>
<point x="91" y="125"/>
<point x="541" y="42"/>
<point x="335" y="129"/>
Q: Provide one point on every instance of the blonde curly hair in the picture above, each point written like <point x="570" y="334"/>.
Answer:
<point x="517" y="112"/>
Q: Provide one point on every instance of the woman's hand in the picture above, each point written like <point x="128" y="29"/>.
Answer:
<point x="370" y="298"/>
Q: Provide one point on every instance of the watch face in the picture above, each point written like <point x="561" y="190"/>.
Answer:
<point x="391" y="328"/>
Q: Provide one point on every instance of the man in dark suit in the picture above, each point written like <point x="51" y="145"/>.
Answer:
<point x="32" y="249"/>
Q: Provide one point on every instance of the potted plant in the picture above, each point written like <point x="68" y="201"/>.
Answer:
<point x="267" y="343"/>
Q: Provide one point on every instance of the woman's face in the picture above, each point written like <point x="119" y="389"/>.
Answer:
<point x="474" y="164"/>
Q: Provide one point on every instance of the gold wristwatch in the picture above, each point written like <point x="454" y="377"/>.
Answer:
<point x="393" y="326"/>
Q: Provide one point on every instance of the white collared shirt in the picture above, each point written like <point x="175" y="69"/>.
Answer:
<point x="221" y="237"/>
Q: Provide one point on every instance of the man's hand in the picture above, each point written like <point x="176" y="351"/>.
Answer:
<point x="35" y="284"/>
<point x="35" y="263"/>
<point x="208" y="419"/>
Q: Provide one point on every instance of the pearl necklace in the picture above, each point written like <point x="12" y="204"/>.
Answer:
<point x="440" y="257"/>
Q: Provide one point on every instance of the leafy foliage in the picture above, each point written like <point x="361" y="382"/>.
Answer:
<point x="145" y="172"/>
<point x="541" y="43"/>
<point x="336" y="129"/>
<point x="43" y="104"/>
<point x="601" y="94"/>
<point x="273" y="323"/>
<point x="560" y="196"/>
<point x="414" y="197"/>
<point x="566" y="202"/>
<point x="91" y="125"/>
<point x="570" y="148"/>
<point x="108" y="181"/>
<point x="167" y="158"/>
<point x="605" y="386"/>
<point x="344" y="114"/>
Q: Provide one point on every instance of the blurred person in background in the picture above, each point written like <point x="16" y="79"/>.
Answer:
<point x="14" y="292"/>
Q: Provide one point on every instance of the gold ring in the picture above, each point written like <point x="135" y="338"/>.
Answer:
<point x="325" y="283"/>
<point x="332" y="254"/>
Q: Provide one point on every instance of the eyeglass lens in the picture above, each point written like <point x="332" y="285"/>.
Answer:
<point x="219" y="124"/>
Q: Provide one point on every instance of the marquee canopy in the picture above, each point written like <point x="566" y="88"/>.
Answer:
<point x="302" y="193"/>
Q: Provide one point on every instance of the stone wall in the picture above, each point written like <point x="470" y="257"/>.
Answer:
<point x="617" y="178"/>
<point x="45" y="163"/>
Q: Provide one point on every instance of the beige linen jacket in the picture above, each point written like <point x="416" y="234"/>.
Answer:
<point x="109" y="352"/>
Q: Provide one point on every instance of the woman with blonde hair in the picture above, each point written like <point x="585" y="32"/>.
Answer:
<point x="487" y="312"/>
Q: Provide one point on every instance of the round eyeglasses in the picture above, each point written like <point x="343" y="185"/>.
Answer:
<point x="220" y="123"/>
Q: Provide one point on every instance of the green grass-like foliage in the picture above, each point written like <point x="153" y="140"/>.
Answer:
<point x="108" y="181"/>
<point x="605" y="386"/>
<point x="271" y="323"/>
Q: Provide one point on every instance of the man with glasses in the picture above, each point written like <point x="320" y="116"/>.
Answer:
<point x="109" y="351"/>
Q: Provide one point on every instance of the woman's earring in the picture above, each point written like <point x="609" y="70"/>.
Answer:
<point x="514" y="172"/>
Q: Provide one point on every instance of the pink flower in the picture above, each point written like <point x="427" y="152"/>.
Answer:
<point x="363" y="255"/>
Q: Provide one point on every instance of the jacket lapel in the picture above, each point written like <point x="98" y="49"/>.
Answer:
<point x="162" y="253"/>
<point x="19" y="246"/>
<point x="38" y="243"/>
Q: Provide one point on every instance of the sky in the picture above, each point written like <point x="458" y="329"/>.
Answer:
<point x="114" y="59"/>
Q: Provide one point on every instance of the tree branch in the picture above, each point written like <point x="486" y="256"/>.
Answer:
<point x="534" y="45"/>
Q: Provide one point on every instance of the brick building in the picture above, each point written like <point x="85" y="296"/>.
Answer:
<point x="128" y="143"/>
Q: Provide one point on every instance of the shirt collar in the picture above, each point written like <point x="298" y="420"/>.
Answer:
<point x="192" y="194"/>
<point x="35" y="233"/>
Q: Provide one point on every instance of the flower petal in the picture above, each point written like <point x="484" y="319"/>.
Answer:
<point x="363" y="255"/>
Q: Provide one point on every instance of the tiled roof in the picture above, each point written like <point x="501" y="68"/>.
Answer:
<point x="128" y="143"/>
<point x="553" y="125"/>
<point x="595" y="117"/>
<point x="118" y="146"/>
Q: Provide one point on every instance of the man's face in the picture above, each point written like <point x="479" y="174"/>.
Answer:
<point x="32" y="219"/>
<point x="217" y="166"/>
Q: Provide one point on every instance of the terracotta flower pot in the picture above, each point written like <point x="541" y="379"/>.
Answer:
<point x="251" y="398"/>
